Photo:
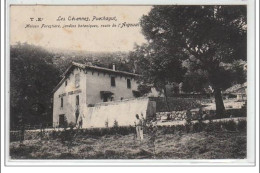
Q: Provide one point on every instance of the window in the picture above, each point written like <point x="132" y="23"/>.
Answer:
<point x="77" y="80"/>
<point x="128" y="83"/>
<point x="61" y="102"/>
<point x="77" y="100"/>
<point x="113" y="81"/>
<point x="106" y="95"/>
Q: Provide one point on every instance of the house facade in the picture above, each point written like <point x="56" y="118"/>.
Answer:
<point x="84" y="86"/>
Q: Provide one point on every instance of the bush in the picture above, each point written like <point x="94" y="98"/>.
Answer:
<point x="168" y="129"/>
<point x="180" y="128"/>
<point x="242" y="125"/>
<point x="236" y="113"/>
<point x="66" y="135"/>
<point x="199" y="126"/>
<point x="188" y="127"/>
<point x="106" y="124"/>
<point x="108" y="131"/>
<point x="213" y="126"/>
<point x="230" y="125"/>
<point x="69" y="134"/>
<point x="115" y="123"/>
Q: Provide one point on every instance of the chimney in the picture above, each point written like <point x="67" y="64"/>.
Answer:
<point x="114" y="67"/>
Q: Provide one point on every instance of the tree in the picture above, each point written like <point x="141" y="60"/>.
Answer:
<point x="32" y="79"/>
<point x="157" y="66"/>
<point x="207" y="36"/>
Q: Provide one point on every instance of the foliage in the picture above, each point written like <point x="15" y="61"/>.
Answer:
<point x="66" y="135"/>
<point x="63" y="58"/>
<point x="115" y="123"/>
<point x="151" y="130"/>
<point x="206" y="36"/>
<point x="236" y="113"/>
<point x="194" y="82"/>
<point x="229" y="125"/>
<point x="144" y="89"/>
<point x="157" y="67"/>
<point x="106" y="124"/>
<point x="30" y="84"/>
<point x="242" y="125"/>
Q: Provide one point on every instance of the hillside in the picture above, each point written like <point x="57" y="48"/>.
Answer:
<point x="62" y="59"/>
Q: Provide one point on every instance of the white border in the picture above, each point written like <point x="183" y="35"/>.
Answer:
<point x="250" y="161"/>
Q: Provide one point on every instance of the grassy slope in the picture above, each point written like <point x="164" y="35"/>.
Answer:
<point x="201" y="145"/>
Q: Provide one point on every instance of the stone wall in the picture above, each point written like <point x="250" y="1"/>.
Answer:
<point x="174" y="115"/>
<point x="176" y="104"/>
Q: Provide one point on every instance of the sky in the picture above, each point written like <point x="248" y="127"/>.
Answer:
<point x="108" y="39"/>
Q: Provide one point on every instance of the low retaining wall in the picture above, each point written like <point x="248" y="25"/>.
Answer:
<point x="174" y="115"/>
<point x="176" y="104"/>
<point x="181" y="115"/>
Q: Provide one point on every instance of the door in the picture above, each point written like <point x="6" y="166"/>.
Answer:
<point x="62" y="120"/>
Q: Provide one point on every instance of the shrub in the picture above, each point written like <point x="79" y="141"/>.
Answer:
<point x="106" y="124"/>
<point x="66" y="135"/>
<point x="213" y="126"/>
<point x="109" y="131"/>
<point x="115" y="123"/>
<point x="236" y="112"/>
<point x="71" y="125"/>
<point x="168" y="129"/>
<point x="230" y="125"/>
<point x="198" y="126"/>
<point x="188" y="127"/>
<point x="180" y="128"/>
<point x="242" y="125"/>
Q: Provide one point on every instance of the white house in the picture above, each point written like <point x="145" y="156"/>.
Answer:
<point x="84" y="85"/>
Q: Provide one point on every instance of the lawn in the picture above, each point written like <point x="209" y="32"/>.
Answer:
<point x="180" y="145"/>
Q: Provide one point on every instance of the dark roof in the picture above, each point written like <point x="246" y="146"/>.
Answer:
<point x="94" y="68"/>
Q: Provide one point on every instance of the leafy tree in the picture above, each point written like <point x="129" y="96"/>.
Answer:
<point x="195" y="79"/>
<point x="158" y="67"/>
<point x="32" y="79"/>
<point x="207" y="36"/>
<point x="238" y="72"/>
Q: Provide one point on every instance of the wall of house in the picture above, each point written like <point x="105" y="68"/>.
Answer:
<point x="98" y="81"/>
<point x="69" y="94"/>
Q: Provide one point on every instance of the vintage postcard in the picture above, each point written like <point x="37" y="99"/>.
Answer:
<point x="130" y="83"/>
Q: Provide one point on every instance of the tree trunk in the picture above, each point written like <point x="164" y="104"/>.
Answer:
<point x="166" y="99"/>
<point x="220" y="108"/>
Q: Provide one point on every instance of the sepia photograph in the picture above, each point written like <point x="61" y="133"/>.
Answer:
<point x="109" y="82"/>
